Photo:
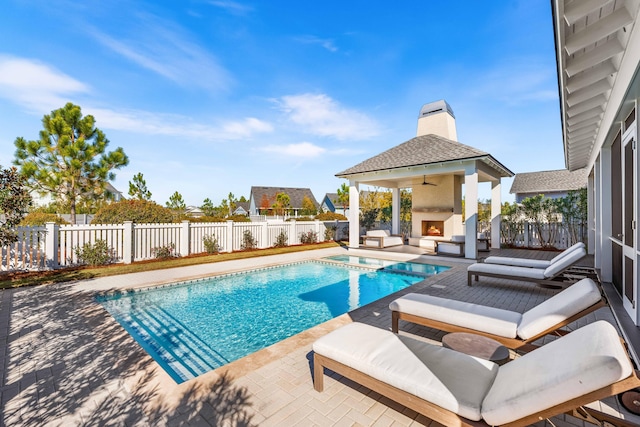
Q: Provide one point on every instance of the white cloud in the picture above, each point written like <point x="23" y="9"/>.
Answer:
<point x="318" y="114"/>
<point x="162" y="47"/>
<point x="35" y="85"/>
<point x="303" y="149"/>
<point x="232" y="7"/>
<point x="176" y="125"/>
<point x="328" y="44"/>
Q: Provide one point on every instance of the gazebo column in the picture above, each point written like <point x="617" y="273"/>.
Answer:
<point x="354" y="215"/>
<point x="471" y="211"/>
<point x="496" y="208"/>
<point x="395" y="211"/>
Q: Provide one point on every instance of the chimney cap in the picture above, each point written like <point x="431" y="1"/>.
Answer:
<point x="435" y="108"/>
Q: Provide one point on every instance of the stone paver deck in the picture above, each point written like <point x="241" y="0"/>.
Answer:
<point x="65" y="361"/>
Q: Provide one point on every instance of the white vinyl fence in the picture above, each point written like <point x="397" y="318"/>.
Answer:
<point x="556" y="235"/>
<point x="54" y="246"/>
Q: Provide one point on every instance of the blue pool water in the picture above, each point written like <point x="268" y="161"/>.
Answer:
<point x="194" y="327"/>
<point x="410" y="267"/>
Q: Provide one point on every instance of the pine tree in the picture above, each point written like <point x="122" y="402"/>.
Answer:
<point x="138" y="188"/>
<point x="70" y="159"/>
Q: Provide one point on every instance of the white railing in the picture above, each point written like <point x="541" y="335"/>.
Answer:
<point x="55" y="246"/>
<point x="552" y="235"/>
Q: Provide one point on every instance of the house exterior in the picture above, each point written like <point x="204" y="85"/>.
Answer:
<point x="330" y="203"/>
<point x="43" y="200"/>
<point x="598" y="56"/>
<point x="261" y="199"/>
<point x="552" y="184"/>
<point x="242" y="208"/>
<point x="435" y="166"/>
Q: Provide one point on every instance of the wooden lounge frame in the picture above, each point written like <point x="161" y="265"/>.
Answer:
<point x="512" y="343"/>
<point x="572" y="407"/>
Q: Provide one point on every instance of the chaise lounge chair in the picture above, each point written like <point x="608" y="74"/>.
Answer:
<point x="543" y="276"/>
<point x="532" y="263"/>
<point x="510" y="328"/>
<point x="455" y="389"/>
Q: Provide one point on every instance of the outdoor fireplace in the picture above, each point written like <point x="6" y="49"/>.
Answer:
<point x="433" y="228"/>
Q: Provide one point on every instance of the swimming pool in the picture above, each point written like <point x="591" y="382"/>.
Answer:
<point x="411" y="267"/>
<point x="193" y="327"/>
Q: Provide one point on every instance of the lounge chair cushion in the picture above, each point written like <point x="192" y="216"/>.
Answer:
<point x="558" y="308"/>
<point x="473" y="316"/>
<point x="518" y="262"/>
<point x="581" y="362"/>
<point x="508" y="270"/>
<point x="565" y="262"/>
<point x="378" y="233"/>
<point x="532" y="263"/>
<point x="452" y="380"/>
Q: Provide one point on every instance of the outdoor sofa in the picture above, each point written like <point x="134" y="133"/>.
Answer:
<point x="456" y="389"/>
<point x="512" y="329"/>
<point x="381" y="239"/>
<point x="543" y="276"/>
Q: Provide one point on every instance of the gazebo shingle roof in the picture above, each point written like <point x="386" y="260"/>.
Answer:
<point x="548" y="181"/>
<point x="421" y="150"/>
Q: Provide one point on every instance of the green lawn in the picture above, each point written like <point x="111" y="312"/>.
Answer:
<point x="14" y="280"/>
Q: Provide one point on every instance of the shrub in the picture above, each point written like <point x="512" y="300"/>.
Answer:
<point x="208" y="219"/>
<point x="330" y="233"/>
<point x="301" y="218"/>
<point x="238" y="218"/>
<point x="164" y="252"/>
<point x="211" y="244"/>
<point x="97" y="253"/>
<point x="248" y="241"/>
<point x="331" y="216"/>
<point x="309" y="237"/>
<point x="41" y="218"/>
<point x="281" y="240"/>
<point x="140" y="211"/>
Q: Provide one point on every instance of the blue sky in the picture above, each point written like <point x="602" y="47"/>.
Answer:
<point x="212" y="97"/>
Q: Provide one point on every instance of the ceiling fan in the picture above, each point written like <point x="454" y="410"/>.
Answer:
<point x="424" y="181"/>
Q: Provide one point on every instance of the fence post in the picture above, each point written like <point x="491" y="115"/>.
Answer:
<point x="265" y="235"/>
<point x="127" y="242"/>
<point x="51" y="246"/>
<point x="319" y="239"/>
<point x="184" y="238"/>
<point x="229" y="244"/>
<point x="293" y="239"/>
<point x="526" y="234"/>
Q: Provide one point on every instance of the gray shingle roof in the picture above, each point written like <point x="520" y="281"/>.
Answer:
<point x="295" y="195"/>
<point x="547" y="181"/>
<point x="421" y="150"/>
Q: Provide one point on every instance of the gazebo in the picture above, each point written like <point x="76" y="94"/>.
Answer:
<point x="435" y="166"/>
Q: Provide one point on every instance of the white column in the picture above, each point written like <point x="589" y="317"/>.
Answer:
<point x="496" y="209"/>
<point x="354" y="215"/>
<point x="395" y="211"/>
<point x="597" y="213"/>
<point x="590" y="214"/>
<point x="471" y="211"/>
<point x="604" y="222"/>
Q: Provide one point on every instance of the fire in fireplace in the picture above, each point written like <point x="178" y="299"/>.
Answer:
<point x="433" y="228"/>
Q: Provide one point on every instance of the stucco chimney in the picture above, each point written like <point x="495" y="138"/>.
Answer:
<point x="437" y="118"/>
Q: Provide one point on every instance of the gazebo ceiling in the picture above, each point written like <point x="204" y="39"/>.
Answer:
<point x="591" y="43"/>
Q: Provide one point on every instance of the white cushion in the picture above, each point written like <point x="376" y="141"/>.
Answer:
<point x="457" y="238"/>
<point x="378" y="233"/>
<point x="473" y="316"/>
<point x="566" y="261"/>
<point x="393" y="241"/>
<point x="583" y="361"/>
<point x="508" y="270"/>
<point x="558" y="308"/>
<point x="519" y="262"/>
<point x="452" y="380"/>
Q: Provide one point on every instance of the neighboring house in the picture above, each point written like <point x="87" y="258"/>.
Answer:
<point x="552" y="184"/>
<point x="40" y="200"/>
<point x="330" y="203"/>
<point x="242" y="208"/>
<point x="262" y="199"/>
<point x="194" y="211"/>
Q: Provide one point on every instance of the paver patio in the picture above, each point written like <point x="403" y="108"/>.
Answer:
<point x="65" y="361"/>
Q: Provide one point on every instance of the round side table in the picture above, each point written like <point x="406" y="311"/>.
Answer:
<point x="476" y="345"/>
